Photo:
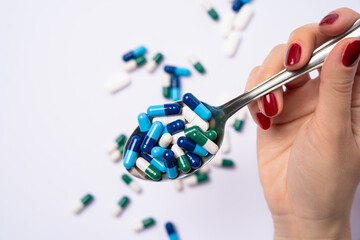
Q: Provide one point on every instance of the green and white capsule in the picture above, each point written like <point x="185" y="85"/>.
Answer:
<point x="204" y="169"/>
<point x="120" y="140"/>
<point x="123" y="203"/>
<point x="146" y="223"/>
<point x="196" y="179"/>
<point x="132" y="184"/>
<point x="203" y="141"/>
<point x="166" y="85"/>
<point x="197" y="65"/>
<point x="150" y="170"/>
<point x="210" y="10"/>
<point x="181" y="159"/>
<point x="178" y="184"/>
<point x="134" y="63"/>
<point x="240" y="119"/>
<point x="116" y="155"/>
<point x="85" y="201"/>
<point x="223" y="162"/>
<point x="153" y="63"/>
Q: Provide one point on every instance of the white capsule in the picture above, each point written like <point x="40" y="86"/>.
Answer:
<point x="78" y="207"/>
<point x="114" y="145"/>
<point x="117" y="210"/>
<point x="176" y="136"/>
<point x="232" y="43"/>
<point x="241" y="114"/>
<point x="177" y="184"/>
<point x="115" y="156"/>
<point x="166" y="80"/>
<point x="151" y="65"/>
<point x="142" y="164"/>
<point x="227" y="23"/>
<point x="191" y="180"/>
<point x="135" y="187"/>
<point x="194" y="119"/>
<point x="138" y="227"/>
<point x="206" y="5"/>
<point x="216" y="161"/>
<point x="211" y="147"/>
<point x="165" y="140"/>
<point x="205" y="169"/>
<point x="243" y="17"/>
<point x="117" y="82"/>
<point x="192" y="59"/>
<point x="225" y="146"/>
<point x="168" y="119"/>
<point x="130" y="65"/>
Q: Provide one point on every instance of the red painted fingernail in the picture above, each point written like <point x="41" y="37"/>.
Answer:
<point x="351" y="53"/>
<point x="329" y="19"/>
<point x="270" y="104"/>
<point x="264" y="121"/>
<point x="293" y="54"/>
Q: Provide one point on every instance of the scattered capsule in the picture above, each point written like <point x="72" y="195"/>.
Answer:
<point x="239" y="119"/>
<point x="237" y="4"/>
<point x="123" y="203"/>
<point x="148" y="222"/>
<point x="150" y="170"/>
<point x="177" y="71"/>
<point x="170" y="229"/>
<point x="223" y="162"/>
<point x="203" y="141"/>
<point x="195" y="179"/>
<point x="155" y="162"/>
<point x="199" y="108"/>
<point x="132" y="152"/>
<point x="174" y="127"/>
<point x="197" y="65"/>
<point x="116" y="155"/>
<point x="204" y="169"/>
<point x="134" y="63"/>
<point x="166" y="85"/>
<point x="144" y="124"/>
<point x="134" y="53"/>
<point x="190" y="145"/>
<point x="177" y="184"/>
<point x="227" y="23"/>
<point x="194" y="119"/>
<point x="175" y="88"/>
<point x="152" y="137"/>
<point x="232" y="43"/>
<point x="211" y="134"/>
<point x="165" y="140"/>
<point x="153" y="63"/>
<point x="243" y="17"/>
<point x="170" y="164"/>
<point x="85" y="201"/>
<point x="120" y="140"/>
<point x="157" y="152"/>
<point x="132" y="184"/>
<point x="164" y="110"/>
<point x="225" y="146"/>
<point x="182" y="160"/>
<point x="168" y="119"/>
<point x="194" y="160"/>
<point x="210" y="10"/>
<point x="117" y="82"/>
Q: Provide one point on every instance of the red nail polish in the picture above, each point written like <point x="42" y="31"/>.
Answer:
<point x="264" y="121"/>
<point x="293" y="54"/>
<point x="329" y="19"/>
<point x="351" y="53"/>
<point x="270" y="104"/>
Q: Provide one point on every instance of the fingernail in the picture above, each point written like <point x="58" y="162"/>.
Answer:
<point x="270" y="104"/>
<point x="264" y="121"/>
<point x="351" y="53"/>
<point x="329" y="19"/>
<point x="293" y="54"/>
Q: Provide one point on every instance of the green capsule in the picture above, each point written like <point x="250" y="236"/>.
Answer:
<point x="126" y="178"/>
<point x="153" y="173"/>
<point x="198" y="137"/>
<point x="199" y="67"/>
<point x="121" y="149"/>
<point x="227" y="163"/>
<point x="213" y="14"/>
<point x="211" y="134"/>
<point x="148" y="222"/>
<point x="140" y="60"/>
<point x="166" y="92"/>
<point x="238" y="124"/>
<point x="124" y="201"/>
<point x="158" y="57"/>
<point x="121" y="140"/>
<point x="166" y="85"/>
<point x="202" y="177"/>
<point x="183" y="163"/>
<point x="87" y="199"/>
<point x="189" y="130"/>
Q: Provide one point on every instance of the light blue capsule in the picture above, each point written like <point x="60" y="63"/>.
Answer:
<point x="144" y="123"/>
<point x="139" y="51"/>
<point x="157" y="152"/>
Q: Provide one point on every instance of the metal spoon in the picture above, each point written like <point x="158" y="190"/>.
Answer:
<point x="222" y="113"/>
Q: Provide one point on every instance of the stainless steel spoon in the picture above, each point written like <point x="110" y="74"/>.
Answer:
<point x="222" y="113"/>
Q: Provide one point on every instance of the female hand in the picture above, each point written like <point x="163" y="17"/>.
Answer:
<point x="309" y="135"/>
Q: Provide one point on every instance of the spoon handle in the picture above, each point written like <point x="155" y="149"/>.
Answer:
<point x="317" y="59"/>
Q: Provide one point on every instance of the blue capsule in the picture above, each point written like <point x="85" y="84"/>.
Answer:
<point x="170" y="164"/>
<point x="190" y="145"/>
<point x="134" y="53"/>
<point x="164" y="110"/>
<point x="194" y="160"/>
<point x="237" y="5"/>
<point x="144" y="123"/>
<point x="132" y="152"/>
<point x="170" y="229"/>
<point x="155" y="162"/>
<point x="192" y="102"/>
<point x="175" y="88"/>
<point x="152" y="137"/>
<point x="157" y="152"/>
<point x="177" y="71"/>
<point x="174" y="127"/>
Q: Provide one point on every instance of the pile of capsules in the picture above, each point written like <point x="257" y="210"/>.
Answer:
<point x="182" y="136"/>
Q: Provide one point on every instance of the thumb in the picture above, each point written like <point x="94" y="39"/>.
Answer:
<point x="336" y="80"/>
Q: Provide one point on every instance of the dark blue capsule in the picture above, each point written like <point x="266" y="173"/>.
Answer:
<point x="175" y="82"/>
<point x="170" y="228"/>
<point x="134" y="53"/>
<point x="175" y="126"/>
<point x="194" y="160"/>
<point x="164" y="110"/>
<point x="237" y="5"/>
<point x="169" y="159"/>
<point x="169" y="69"/>
<point x="186" y="143"/>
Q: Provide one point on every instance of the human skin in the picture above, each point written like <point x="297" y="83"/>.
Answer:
<point x="308" y="136"/>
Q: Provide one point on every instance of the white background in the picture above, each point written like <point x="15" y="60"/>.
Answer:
<point x="56" y="119"/>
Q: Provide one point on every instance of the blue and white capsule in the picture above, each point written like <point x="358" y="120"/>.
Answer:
<point x="177" y="71"/>
<point x="191" y="146"/>
<point x="174" y="127"/>
<point x="132" y="152"/>
<point x="144" y="124"/>
<point x="194" y="104"/>
<point x="134" y="53"/>
<point x="194" y="160"/>
<point x="170" y="229"/>
<point x="164" y="110"/>
<point x="152" y="137"/>
<point x="170" y="164"/>
<point x="175" y="88"/>
<point x="155" y="162"/>
<point x="157" y="152"/>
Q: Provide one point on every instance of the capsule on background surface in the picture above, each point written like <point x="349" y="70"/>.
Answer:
<point x="84" y="201"/>
<point x="240" y="119"/>
<point x="119" y="141"/>
<point x="166" y="85"/>
<point x="121" y="205"/>
<point x="174" y="127"/>
<point x="194" y="104"/>
<point x="237" y="4"/>
<point x="175" y="88"/>
<point x="170" y="164"/>
<point x="181" y="159"/>
<point x="117" y="82"/>
<point x="223" y="162"/>
<point x="146" y="223"/>
<point x="170" y="229"/>
<point x="232" y="43"/>
<point x="134" y="63"/>
<point x="144" y="123"/>
<point x="196" y="64"/>
<point x="177" y="184"/>
<point x="195" y="179"/>
<point x="152" y="137"/>
<point x="134" y="53"/>
<point x="164" y="110"/>
<point x="155" y="162"/>
<point x="227" y="23"/>
<point x="203" y="141"/>
<point x="132" y="184"/>
<point x="150" y="170"/>
<point x="243" y="17"/>
<point x="190" y="145"/>
<point x="194" y="119"/>
<point x="132" y="152"/>
<point x="177" y="71"/>
<point x="153" y="63"/>
<point x="210" y="10"/>
<point x="157" y="152"/>
<point x="194" y="160"/>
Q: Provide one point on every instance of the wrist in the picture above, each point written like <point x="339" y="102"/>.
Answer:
<point x="292" y="227"/>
